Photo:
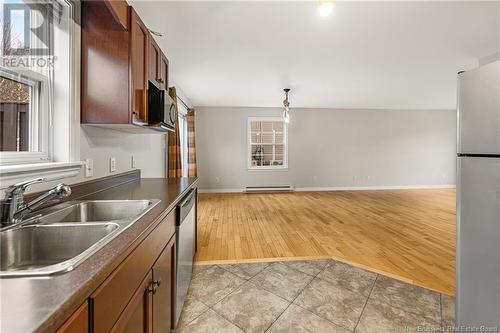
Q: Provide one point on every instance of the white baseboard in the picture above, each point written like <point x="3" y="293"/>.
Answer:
<point x="340" y="188"/>
<point x="372" y="188"/>
<point x="221" y="190"/>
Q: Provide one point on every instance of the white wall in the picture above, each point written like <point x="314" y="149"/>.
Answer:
<point x="332" y="148"/>
<point x="100" y="144"/>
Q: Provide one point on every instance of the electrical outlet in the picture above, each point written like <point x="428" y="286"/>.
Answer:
<point x="133" y="162"/>
<point x="89" y="167"/>
<point x="112" y="164"/>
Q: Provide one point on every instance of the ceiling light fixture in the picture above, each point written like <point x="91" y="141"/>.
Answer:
<point x="286" y="104"/>
<point x="325" y="8"/>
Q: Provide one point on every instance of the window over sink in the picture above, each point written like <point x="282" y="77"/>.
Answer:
<point x="39" y="88"/>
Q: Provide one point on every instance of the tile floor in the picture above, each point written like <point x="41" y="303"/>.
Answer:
<point x="316" y="296"/>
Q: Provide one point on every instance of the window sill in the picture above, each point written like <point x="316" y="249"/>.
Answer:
<point x="268" y="169"/>
<point x="12" y="174"/>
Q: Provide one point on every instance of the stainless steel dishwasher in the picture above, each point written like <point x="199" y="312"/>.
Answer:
<point x="185" y="238"/>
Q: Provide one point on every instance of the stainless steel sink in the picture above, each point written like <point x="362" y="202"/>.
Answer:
<point x="61" y="237"/>
<point x="105" y="210"/>
<point x="37" y="246"/>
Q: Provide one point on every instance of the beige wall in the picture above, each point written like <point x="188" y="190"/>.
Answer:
<point x="332" y="148"/>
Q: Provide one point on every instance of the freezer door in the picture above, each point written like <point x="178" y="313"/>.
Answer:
<point x="479" y="110"/>
<point x="478" y="242"/>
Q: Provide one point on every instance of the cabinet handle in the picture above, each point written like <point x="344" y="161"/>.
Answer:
<point x="157" y="283"/>
<point x="152" y="290"/>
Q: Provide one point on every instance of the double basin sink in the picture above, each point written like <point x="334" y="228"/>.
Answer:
<point x="61" y="237"/>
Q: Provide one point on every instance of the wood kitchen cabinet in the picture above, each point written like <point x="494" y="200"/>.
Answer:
<point x="119" y="10"/>
<point x="137" y="316"/>
<point x="154" y="65"/>
<point x="138" y="295"/>
<point x="119" y="58"/>
<point x="164" y="73"/>
<point x="164" y="289"/>
<point x="139" y="41"/>
<point x="78" y="322"/>
<point x="104" y="66"/>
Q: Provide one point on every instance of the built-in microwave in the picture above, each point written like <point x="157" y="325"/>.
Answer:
<point x="162" y="111"/>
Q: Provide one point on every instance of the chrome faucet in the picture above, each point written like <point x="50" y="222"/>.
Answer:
<point x="14" y="209"/>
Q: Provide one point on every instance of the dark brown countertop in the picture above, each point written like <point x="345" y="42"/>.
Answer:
<point x="43" y="304"/>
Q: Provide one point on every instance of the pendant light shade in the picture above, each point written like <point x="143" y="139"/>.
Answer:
<point x="286" y="104"/>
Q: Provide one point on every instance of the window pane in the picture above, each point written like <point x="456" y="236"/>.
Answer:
<point x="14" y="115"/>
<point x="278" y="126"/>
<point x="267" y="137"/>
<point x="267" y="126"/>
<point x="279" y="137"/>
<point x="256" y="137"/>
<point x="255" y="125"/>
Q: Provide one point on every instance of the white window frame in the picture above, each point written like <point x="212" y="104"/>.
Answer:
<point x="249" y="145"/>
<point x="39" y="146"/>
<point x="60" y="157"/>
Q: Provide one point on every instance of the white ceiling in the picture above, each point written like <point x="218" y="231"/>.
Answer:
<point x="398" y="55"/>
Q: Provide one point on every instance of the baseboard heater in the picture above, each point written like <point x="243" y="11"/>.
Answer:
<point x="279" y="188"/>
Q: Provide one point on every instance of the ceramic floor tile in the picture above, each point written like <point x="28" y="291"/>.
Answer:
<point x="407" y="297"/>
<point x="210" y="322"/>
<point x="192" y="308"/>
<point x="282" y="280"/>
<point x="245" y="271"/>
<point x="200" y="268"/>
<point x="379" y="318"/>
<point x="349" y="277"/>
<point x="311" y="267"/>
<point x="251" y="308"/>
<point x="329" y="301"/>
<point x="448" y="311"/>
<point x="298" y="320"/>
<point x="211" y="285"/>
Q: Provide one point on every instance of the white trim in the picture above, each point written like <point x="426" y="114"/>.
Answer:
<point x="283" y="167"/>
<point x="373" y="188"/>
<point x="221" y="190"/>
<point x="12" y="174"/>
<point x="340" y="188"/>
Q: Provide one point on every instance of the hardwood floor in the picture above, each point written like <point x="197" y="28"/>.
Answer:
<point x="406" y="234"/>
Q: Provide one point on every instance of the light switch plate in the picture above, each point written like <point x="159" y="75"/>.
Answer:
<point x="112" y="164"/>
<point x="89" y="167"/>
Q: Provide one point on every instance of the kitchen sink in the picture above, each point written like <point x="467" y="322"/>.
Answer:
<point x="37" y="246"/>
<point x="97" y="210"/>
<point x="59" y="238"/>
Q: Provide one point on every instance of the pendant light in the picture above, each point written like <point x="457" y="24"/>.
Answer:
<point x="286" y="104"/>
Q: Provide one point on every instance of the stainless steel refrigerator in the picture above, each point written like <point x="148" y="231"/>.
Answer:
<point x="478" y="197"/>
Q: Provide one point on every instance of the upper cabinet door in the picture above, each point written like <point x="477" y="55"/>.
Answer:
<point x="155" y="56"/>
<point x="479" y="110"/>
<point x="164" y="73"/>
<point x="139" y="67"/>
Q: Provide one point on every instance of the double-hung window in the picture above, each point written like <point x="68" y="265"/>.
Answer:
<point x="267" y="143"/>
<point x="39" y="88"/>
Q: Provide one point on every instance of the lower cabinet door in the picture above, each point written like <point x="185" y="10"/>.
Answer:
<point x="137" y="316"/>
<point x="78" y="322"/>
<point x="164" y="284"/>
